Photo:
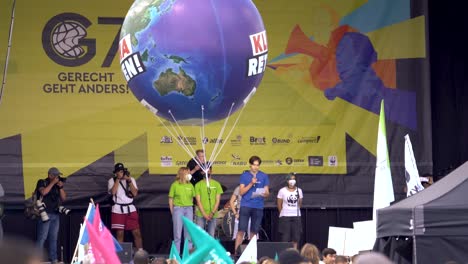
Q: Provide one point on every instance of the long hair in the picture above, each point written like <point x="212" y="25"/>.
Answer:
<point x="181" y="174"/>
<point x="311" y="253"/>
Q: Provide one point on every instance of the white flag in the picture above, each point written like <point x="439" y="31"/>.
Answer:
<point x="383" y="185"/>
<point x="250" y="252"/>
<point x="413" y="184"/>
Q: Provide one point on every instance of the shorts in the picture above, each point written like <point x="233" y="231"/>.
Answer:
<point x="290" y="228"/>
<point x="125" y="221"/>
<point x="254" y="214"/>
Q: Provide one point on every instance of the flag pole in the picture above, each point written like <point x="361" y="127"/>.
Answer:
<point x="78" y="243"/>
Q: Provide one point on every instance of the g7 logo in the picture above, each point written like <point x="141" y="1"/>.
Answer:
<point x="64" y="39"/>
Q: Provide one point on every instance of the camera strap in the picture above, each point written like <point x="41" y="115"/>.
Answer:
<point x="125" y="189"/>
<point x="127" y="205"/>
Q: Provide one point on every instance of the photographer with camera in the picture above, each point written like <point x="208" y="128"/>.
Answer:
<point x="50" y="194"/>
<point x="123" y="188"/>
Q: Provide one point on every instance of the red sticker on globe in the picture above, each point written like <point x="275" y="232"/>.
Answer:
<point x="257" y="64"/>
<point x="125" y="47"/>
<point x="131" y="63"/>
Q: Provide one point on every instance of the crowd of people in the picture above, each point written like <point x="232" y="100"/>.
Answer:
<point x="309" y="254"/>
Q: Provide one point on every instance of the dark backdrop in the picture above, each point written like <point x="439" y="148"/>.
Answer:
<point x="449" y="84"/>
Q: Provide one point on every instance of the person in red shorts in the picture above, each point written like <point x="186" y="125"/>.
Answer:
<point x="124" y="214"/>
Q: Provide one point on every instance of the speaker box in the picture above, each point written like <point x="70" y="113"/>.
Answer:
<point x="126" y="255"/>
<point x="269" y="249"/>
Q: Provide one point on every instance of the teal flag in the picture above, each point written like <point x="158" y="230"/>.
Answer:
<point x="206" y="247"/>
<point x="185" y="253"/>
<point x="174" y="254"/>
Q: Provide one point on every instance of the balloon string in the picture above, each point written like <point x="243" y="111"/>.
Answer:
<point x="182" y="132"/>
<point x="180" y="141"/>
<point x="202" y="131"/>
<point x="221" y="133"/>
<point x="230" y="132"/>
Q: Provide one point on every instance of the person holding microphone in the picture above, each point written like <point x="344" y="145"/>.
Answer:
<point x="254" y="189"/>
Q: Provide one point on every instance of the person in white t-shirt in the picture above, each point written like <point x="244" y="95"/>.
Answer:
<point x="124" y="214"/>
<point x="289" y="201"/>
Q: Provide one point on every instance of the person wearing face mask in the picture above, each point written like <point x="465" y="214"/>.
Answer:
<point x="181" y="196"/>
<point x="289" y="202"/>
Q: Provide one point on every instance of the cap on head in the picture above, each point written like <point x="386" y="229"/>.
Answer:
<point x="118" y="167"/>
<point x="54" y="171"/>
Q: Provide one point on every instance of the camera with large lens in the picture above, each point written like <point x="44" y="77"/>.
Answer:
<point x="126" y="172"/>
<point x="42" y="212"/>
<point x="62" y="179"/>
<point x="63" y="210"/>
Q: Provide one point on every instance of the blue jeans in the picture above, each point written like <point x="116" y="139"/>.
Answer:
<point x="210" y="225"/>
<point x="255" y="215"/>
<point x="49" y="230"/>
<point x="180" y="211"/>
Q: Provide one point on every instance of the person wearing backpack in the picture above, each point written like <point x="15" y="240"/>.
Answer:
<point x="52" y="193"/>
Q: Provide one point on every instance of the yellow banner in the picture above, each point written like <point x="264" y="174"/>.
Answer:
<point x="67" y="97"/>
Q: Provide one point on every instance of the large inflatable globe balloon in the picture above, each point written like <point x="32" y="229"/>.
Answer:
<point x="180" y="55"/>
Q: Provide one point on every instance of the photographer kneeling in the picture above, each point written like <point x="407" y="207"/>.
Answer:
<point x="50" y="194"/>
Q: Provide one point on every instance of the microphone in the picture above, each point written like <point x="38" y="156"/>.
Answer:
<point x="252" y="177"/>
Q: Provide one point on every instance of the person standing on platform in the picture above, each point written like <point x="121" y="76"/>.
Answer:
<point x="208" y="197"/>
<point x="124" y="216"/>
<point x="234" y="205"/>
<point x="254" y="189"/>
<point x="51" y="193"/>
<point x="181" y="196"/>
<point x="195" y="170"/>
<point x="289" y="202"/>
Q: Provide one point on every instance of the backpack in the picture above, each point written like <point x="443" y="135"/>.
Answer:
<point x="31" y="211"/>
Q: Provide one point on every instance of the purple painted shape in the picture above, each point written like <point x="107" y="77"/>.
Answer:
<point x="361" y="86"/>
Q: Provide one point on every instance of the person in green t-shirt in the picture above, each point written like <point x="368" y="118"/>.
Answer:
<point x="181" y="196"/>
<point x="207" y="196"/>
